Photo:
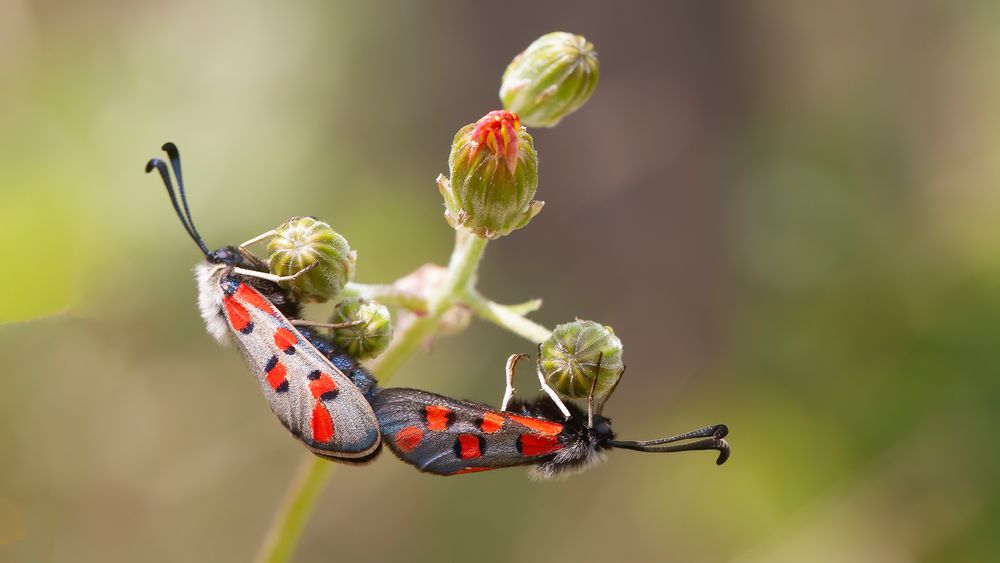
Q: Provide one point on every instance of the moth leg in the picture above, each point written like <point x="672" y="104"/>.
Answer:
<point x="256" y="239"/>
<point x="272" y="277"/>
<point x="593" y="388"/>
<point x="548" y="390"/>
<point x="303" y="322"/>
<point x="508" y="392"/>
<point x="618" y="378"/>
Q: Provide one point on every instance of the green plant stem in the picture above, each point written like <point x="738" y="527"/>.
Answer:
<point x="461" y="270"/>
<point x="505" y="318"/>
<point x="305" y="489"/>
<point x="387" y="295"/>
<point x="297" y="506"/>
<point x="525" y="308"/>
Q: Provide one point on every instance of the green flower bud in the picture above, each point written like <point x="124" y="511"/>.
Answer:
<point x="551" y="79"/>
<point x="301" y="242"/>
<point x="570" y="357"/>
<point x="494" y="175"/>
<point x="370" y="336"/>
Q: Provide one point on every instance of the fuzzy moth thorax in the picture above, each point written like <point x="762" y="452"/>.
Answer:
<point x="210" y="298"/>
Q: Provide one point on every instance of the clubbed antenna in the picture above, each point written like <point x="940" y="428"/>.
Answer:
<point x="185" y="215"/>
<point x="712" y="439"/>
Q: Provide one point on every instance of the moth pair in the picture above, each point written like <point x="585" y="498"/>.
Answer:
<point x="335" y="407"/>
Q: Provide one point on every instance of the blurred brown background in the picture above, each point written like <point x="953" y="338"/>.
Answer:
<point x="786" y="210"/>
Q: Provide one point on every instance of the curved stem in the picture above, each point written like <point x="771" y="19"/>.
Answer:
<point x="304" y="491"/>
<point x="525" y="308"/>
<point x="387" y="295"/>
<point x="505" y="318"/>
<point x="461" y="269"/>
<point x="301" y="497"/>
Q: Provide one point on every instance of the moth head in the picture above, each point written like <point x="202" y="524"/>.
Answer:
<point x="232" y="256"/>
<point x="225" y="255"/>
<point x="601" y="428"/>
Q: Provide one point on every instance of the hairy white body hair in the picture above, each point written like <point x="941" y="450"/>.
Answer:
<point x="585" y="455"/>
<point x="210" y="298"/>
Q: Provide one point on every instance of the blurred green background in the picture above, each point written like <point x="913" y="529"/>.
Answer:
<point x="787" y="211"/>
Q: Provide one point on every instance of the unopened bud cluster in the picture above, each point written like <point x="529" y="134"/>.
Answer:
<point x="552" y="78"/>
<point x="490" y="193"/>
<point x="324" y="264"/>
<point x="367" y="327"/>
<point x="579" y="352"/>
<point x="494" y="175"/>
<point x="306" y="242"/>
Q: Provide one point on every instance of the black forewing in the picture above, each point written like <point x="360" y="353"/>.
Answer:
<point x="446" y="436"/>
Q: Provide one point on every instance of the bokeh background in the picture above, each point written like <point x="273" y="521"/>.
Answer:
<point x="787" y="210"/>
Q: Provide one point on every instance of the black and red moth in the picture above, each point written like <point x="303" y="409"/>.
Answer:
<point x="445" y="436"/>
<point x="301" y="375"/>
<point x="335" y="407"/>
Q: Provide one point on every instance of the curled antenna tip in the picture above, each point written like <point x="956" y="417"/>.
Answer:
<point x="152" y="164"/>
<point x="721" y="431"/>
<point x="724" y="452"/>
<point x="173" y="153"/>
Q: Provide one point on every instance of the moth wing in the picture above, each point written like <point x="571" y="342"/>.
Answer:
<point x="445" y="436"/>
<point x="313" y="399"/>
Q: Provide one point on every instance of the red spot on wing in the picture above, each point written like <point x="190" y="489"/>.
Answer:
<point x="469" y="446"/>
<point x="284" y="338"/>
<point x="239" y="318"/>
<point x="533" y="444"/>
<point x="322" y="385"/>
<point x="408" y="438"/>
<point x="472" y="470"/>
<point x="437" y="417"/>
<point x="254" y="298"/>
<point x="276" y="375"/>
<point x="322" y="424"/>
<point x="491" y="423"/>
<point x="538" y="425"/>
